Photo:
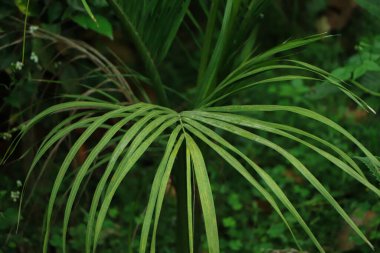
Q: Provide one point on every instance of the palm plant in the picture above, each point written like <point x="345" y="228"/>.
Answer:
<point x="229" y="62"/>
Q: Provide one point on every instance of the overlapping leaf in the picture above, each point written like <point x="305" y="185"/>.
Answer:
<point x="155" y="22"/>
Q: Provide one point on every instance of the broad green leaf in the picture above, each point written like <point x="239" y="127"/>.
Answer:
<point x="102" y="25"/>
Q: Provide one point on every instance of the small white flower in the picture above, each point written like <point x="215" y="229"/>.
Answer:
<point x="34" y="57"/>
<point x="33" y="28"/>
<point x="19" y="65"/>
<point x="19" y="183"/>
<point x="15" y="195"/>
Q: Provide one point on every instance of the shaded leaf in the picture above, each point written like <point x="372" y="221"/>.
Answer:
<point x="102" y="25"/>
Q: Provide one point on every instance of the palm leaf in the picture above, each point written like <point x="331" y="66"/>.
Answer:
<point x="120" y="148"/>
<point x="158" y="180"/>
<point x="189" y="191"/>
<point x="269" y="181"/>
<point x="303" y="112"/>
<point x="162" y="190"/>
<point x="89" y="160"/>
<point x="205" y="194"/>
<point x="252" y="123"/>
<point x="155" y="23"/>
<point x="296" y="163"/>
<point x="159" y="125"/>
<point x="226" y="66"/>
<point x="66" y="163"/>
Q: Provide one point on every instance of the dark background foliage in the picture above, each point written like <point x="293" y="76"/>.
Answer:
<point x="54" y="68"/>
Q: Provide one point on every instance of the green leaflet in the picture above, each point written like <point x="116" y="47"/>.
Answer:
<point x="35" y="159"/>
<point x="236" y="165"/>
<point x="301" y="111"/>
<point x="287" y="128"/>
<point x="161" y="193"/>
<point x="155" y="189"/>
<point x="336" y="81"/>
<point x="189" y="192"/>
<point x="84" y="168"/>
<point x="55" y="109"/>
<point x="120" y="148"/>
<point x="258" y="69"/>
<point x="205" y="194"/>
<point x="255" y="71"/>
<point x="249" y="84"/>
<point x="245" y="121"/>
<point x="62" y="124"/>
<point x="297" y="164"/>
<point x="374" y="170"/>
<point x="44" y="148"/>
<point x="208" y="80"/>
<point x="288" y="45"/>
<point x="77" y="105"/>
<point x="132" y="158"/>
<point x="157" y="36"/>
<point x="66" y="163"/>
<point x="207" y="42"/>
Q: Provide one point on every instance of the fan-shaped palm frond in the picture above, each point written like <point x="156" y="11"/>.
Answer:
<point x="152" y="26"/>
<point x="150" y="122"/>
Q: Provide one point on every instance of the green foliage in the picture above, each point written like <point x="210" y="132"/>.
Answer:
<point x="140" y="149"/>
<point x="372" y="6"/>
<point x="102" y="25"/>
<point x="155" y="23"/>
<point x="375" y="170"/>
